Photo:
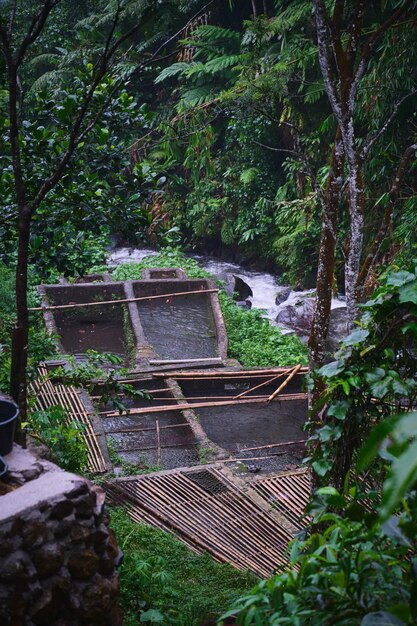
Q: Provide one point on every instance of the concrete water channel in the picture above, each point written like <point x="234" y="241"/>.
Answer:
<point x="198" y="407"/>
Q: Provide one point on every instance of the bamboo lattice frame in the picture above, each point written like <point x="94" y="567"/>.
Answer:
<point x="288" y="493"/>
<point x="48" y="394"/>
<point x="224" y="520"/>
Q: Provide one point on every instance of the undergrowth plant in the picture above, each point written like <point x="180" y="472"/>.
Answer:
<point x="162" y="578"/>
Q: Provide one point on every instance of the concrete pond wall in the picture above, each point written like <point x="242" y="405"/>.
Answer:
<point x="177" y="327"/>
<point x="58" y="557"/>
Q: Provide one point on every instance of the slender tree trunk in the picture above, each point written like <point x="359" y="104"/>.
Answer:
<point x="356" y="211"/>
<point x="21" y="329"/>
<point x="373" y="253"/>
<point x="325" y="272"/>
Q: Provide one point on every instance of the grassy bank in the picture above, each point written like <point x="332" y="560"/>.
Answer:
<point x="162" y="581"/>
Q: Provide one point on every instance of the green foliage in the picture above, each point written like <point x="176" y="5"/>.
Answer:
<point x="160" y="573"/>
<point x="168" y="257"/>
<point x="63" y="439"/>
<point x="344" y="575"/>
<point x="374" y="375"/>
<point x="254" y="342"/>
<point x="40" y="344"/>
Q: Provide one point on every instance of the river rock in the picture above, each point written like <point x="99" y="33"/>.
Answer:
<point x="338" y="328"/>
<point x="282" y="294"/>
<point x="298" y="315"/>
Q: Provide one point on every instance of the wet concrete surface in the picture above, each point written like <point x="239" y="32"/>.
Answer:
<point x="180" y="327"/>
<point x="100" y="328"/>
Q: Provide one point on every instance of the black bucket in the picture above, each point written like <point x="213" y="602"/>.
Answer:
<point x="8" y="418"/>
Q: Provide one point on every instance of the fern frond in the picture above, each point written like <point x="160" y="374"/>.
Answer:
<point x="48" y="58"/>
<point x="222" y="63"/>
<point x="248" y="175"/>
<point x="49" y="79"/>
<point x="194" y="97"/>
<point x="172" y="70"/>
<point x="314" y="92"/>
<point x="216" y="34"/>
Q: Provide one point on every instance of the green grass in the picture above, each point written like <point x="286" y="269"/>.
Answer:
<point x="161" y="576"/>
<point x="252" y="340"/>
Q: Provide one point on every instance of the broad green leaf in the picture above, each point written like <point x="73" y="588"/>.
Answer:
<point x="356" y="337"/>
<point x="382" y="387"/>
<point x="400" y="278"/>
<point x="401" y="477"/>
<point x="381" y="618"/>
<point x="409" y="293"/>
<point x="339" y="409"/>
<point x="373" y="443"/>
<point x="321" y="467"/>
<point x="331" y="369"/>
<point x="152" y="616"/>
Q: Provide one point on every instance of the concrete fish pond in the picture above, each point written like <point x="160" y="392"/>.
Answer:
<point x="156" y="319"/>
<point x="186" y="408"/>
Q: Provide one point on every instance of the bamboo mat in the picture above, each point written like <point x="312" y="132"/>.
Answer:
<point x="288" y="493"/>
<point x="48" y="394"/>
<point x="209" y="513"/>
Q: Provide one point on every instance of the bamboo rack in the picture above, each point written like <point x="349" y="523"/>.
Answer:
<point x="76" y="305"/>
<point x="289" y="492"/>
<point x="228" y="524"/>
<point x="197" y="374"/>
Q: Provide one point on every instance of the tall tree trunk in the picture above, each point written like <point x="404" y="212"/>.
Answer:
<point x="21" y="329"/>
<point x="356" y="211"/>
<point x="325" y="272"/>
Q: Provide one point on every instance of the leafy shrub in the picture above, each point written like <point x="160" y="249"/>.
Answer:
<point x="254" y="342"/>
<point x="358" y="562"/>
<point x="168" y="257"/>
<point x="63" y="439"/>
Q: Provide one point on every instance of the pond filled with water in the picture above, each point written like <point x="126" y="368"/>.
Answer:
<point x="181" y="327"/>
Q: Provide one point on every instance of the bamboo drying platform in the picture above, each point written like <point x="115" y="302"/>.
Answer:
<point x="209" y="512"/>
<point x="288" y="493"/>
<point x="48" y="394"/>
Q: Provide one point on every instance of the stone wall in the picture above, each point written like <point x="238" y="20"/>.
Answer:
<point x="58" y="557"/>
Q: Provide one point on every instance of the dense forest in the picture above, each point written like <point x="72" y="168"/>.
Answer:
<point x="281" y="135"/>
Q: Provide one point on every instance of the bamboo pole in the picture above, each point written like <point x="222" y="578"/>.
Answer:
<point x="274" y="445"/>
<point x="196" y="405"/>
<point x="214" y="359"/>
<point x="76" y="305"/>
<point x="286" y="381"/>
<point x="222" y="373"/>
<point x="158" y="436"/>
<point x="149" y="428"/>
<point x="266" y="382"/>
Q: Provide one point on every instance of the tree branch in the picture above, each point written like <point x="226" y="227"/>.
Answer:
<point x="372" y="140"/>
<point x="35" y="29"/>
<point x="373" y="253"/>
